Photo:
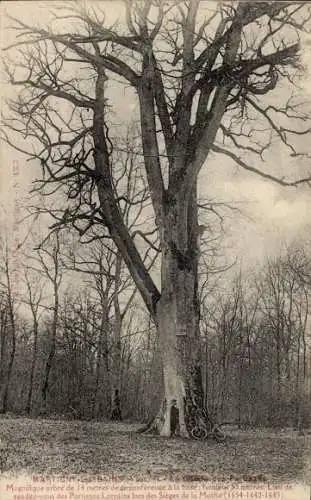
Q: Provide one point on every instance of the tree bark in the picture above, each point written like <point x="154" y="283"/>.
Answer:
<point x="3" y="347"/>
<point x="48" y="366"/>
<point x="102" y="369"/>
<point x="10" y="369"/>
<point x="33" y="367"/>
<point x="52" y="344"/>
<point x="55" y="277"/>
<point x="12" y="329"/>
<point x="117" y="363"/>
<point x="178" y="317"/>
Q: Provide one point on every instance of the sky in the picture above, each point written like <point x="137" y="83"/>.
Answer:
<point x="271" y="214"/>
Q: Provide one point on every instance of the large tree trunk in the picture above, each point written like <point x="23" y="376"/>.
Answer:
<point x="182" y="411"/>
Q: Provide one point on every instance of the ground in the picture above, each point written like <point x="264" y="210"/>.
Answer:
<point x="104" y="450"/>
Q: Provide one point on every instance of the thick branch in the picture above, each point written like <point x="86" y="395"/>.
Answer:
<point x="149" y="135"/>
<point x="163" y="110"/>
<point x="110" y="210"/>
<point x="183" y="105"/>
<point x="218" y="105"/>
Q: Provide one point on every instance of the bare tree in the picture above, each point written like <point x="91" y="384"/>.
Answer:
<point x="76" y="355"/>
<point x="200" y="76"/>
<point x="115" y="293"/>
<point x="47" y="263"/>
<point x="34" y="301"/>
<point x="284" y="300"/>
<point x="109" y="278"/>
<point x="8" y="326"/>
<point x="3" y="333"/>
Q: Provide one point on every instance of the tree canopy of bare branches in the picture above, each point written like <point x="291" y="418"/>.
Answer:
<point x="205" y="78"/>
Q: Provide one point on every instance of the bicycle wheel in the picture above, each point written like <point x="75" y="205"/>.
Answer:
<point x="218" y="435"/>
<point x="198" y="432"/>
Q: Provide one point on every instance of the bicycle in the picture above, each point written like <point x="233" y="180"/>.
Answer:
<point x="203" y="428"/>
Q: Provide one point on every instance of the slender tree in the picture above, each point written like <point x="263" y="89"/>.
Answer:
<point x="3" y="334"/>
<point x="199" y="76"/>
<point x="33" y="300"/>
<point x="46" y="262"/>
<point x="9" y="329"/>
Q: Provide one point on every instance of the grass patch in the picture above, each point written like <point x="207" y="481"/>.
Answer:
<point x="103" y="450"/>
